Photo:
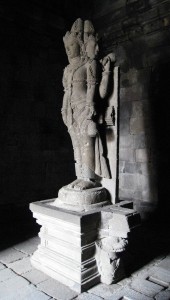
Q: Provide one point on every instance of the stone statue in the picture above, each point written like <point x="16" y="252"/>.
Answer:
<point x="85" y="82"/>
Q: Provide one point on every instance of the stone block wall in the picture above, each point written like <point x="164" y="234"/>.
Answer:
<point x="138" y="33"/>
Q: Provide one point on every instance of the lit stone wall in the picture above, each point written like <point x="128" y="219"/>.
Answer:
<point x="137" y="31"/>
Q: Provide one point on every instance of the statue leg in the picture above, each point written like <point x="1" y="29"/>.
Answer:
<point x="77" y="157"/>
<point x="88" y="164"/>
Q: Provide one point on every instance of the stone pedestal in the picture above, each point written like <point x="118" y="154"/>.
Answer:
<point x="69" y="241"/>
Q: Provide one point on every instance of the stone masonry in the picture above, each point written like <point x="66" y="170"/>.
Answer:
<point x="20" y="281"/>
<point x="137" y="31"/>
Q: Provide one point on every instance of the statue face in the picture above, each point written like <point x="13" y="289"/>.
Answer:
<point x="72" y="48"/>
<point x="92" y="49"/>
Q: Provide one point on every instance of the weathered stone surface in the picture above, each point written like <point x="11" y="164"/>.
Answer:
<point x="165" y="264"/>
<point x="125" y="110"/>
<point x="133" y="93"/>
<point x="35" y="276"/>
<point x="124" y="126"/>
<point x="103" y="290"/>
<point x="141" y="141"/>
<point x="2" y="266"/>
<point x="21" y="266"/>
<point x="56" y="290"/>
<point x="125" y="194"/>
<point x="121" y="166"/>
<point x="146" y="287"/>
<point x="129" y="78"/>
<point x="143" y="182"/>
<point x="6" y="274"/>
<point x="137" y="125"/>
<point x="127" y="181"/>
<point x="137" y="109"/>
<point x="128" y="293"/>
<point x="87" y="296"/>
<point x="28" y="246"/>
<point x="160" y="276"/>
<point x="126" y="141"/>
<point x="130" y="168"/>
<point x="24" y="292"/>
<point x="13" y="286"/>
<point x="142" y="155"/>
<point x="127" y="155"/>
<point x="164" y="295"/>
<point x="10" y="255"/>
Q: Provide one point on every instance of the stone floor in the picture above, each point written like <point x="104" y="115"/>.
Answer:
<point x="19" y="280"/>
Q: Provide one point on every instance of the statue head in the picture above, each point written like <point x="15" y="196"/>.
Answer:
<point x="72" y="45"/>
<point x="92" y="47"/>
<point x="77" y="28"/>
<point x="88" y="30"/>
<point x="73" y="40"/>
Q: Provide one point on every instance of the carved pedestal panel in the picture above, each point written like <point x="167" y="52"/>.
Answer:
<point x="80" y="249"/>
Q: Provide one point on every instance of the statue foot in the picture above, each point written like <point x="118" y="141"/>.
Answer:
<point x="86" y="184"/>
<point x="72" y="184"/>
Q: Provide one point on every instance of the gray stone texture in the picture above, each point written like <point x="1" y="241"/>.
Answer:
<point x="103" y="290"/>
<point x="21" y="266"/>
<point x="137" y="125"/>
<point x="35" y="276"/>
<point x="142" y="155"/>
<point x="127" y="181"/>
<point x="6" y="274"/>
<point x="2" y="266"/>
<point x="164" y="295"/>
<point x="146" y="287"/>
<point x="127" y="155"/>
<point x="25" y="292"/>
<point x="57" y="290"/>
<point x="29" y="246"/>
<point x="10" y="255"/>
<point x="138" y="33"/>
<point x="87" y="296"/>
<point x="126" y="141"/>
<point x="13" y="287"/>
<point x="160" y="276"/>
<point x="128" y="293"/>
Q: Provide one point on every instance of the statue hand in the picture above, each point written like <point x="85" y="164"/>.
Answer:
<point x="106" y="64"/>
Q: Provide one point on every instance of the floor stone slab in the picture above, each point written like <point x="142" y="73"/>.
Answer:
<point x="29" y="246"/>
<point x="10" y="255"/>
<point x="21" y="266"/>
<point x="160" y="276"/>
<point x="35" y="276"/>
<point x="9" y="287"/>
<point x="165" y="264"/>
<point x="103" y="290"/>
<point x="87" y="296"/>
<point x="2" y="266"/>
<point x="29" y="292"/>
<point x="146" y="287"/>
<point x="57" y="290"/>
<point x="164" y="295"/>
<point x="6" y="274"/>
<point x="127" y="293"/>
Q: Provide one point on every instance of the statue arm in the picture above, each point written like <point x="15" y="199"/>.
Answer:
<point x="64" y="109"/>
<point x="104" y="84"/>
<point x="91" y="87"/>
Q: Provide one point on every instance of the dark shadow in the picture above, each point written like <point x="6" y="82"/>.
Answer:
<point x="160" y="108"/>
<point x="16" y="225"/>
<point x="147" y="242"/>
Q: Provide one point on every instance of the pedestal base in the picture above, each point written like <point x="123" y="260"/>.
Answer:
<point x="68" y="242"/>
<point x="83" y="200"/>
